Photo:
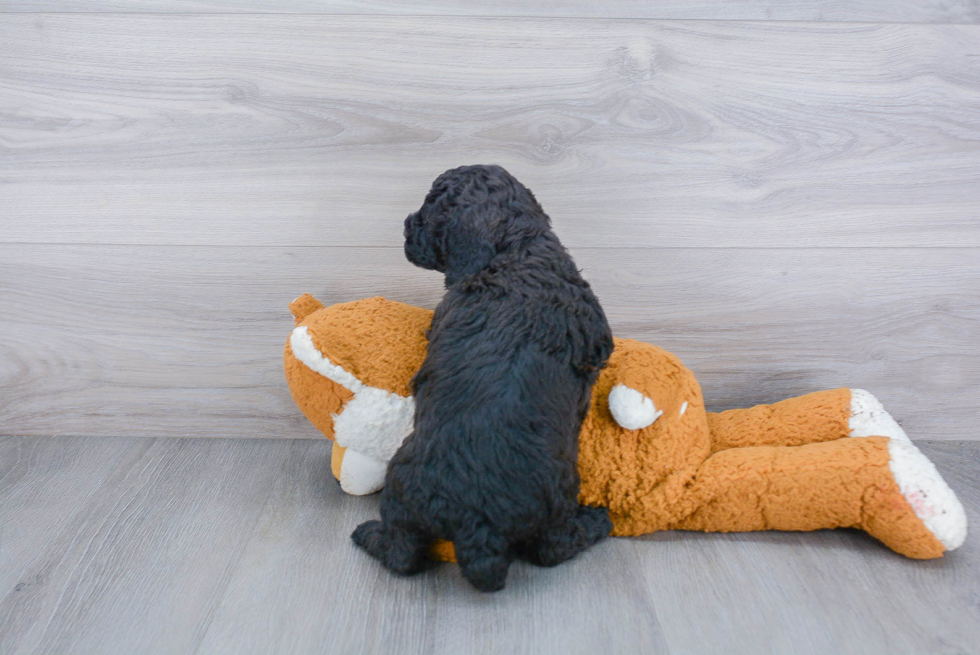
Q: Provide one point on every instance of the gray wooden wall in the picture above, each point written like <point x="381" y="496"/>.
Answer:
<point x="784" y="193"/>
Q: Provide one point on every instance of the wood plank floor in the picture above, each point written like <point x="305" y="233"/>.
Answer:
<point x="116" y="545"/>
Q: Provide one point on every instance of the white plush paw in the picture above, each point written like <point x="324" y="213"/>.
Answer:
<point x="361" y="475"/>
<point x="925" y="490"/>
<point x="632" y="409"/>
<point x="869" y="418"/>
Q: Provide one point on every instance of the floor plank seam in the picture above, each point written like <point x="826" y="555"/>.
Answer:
<point x="522" y="17"/>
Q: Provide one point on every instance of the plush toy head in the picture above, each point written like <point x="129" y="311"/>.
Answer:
<point x="349" y="367"/>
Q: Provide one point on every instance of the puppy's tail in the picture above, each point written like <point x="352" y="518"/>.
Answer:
<point x="304" y="306"/>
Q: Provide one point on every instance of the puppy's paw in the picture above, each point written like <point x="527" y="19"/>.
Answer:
<point x="370" y="536"/>
<point x="588" y="526"/>
<point x="399" y="551"/>
<point x="595" y="522"/>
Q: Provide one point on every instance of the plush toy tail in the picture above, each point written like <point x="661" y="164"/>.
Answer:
<point x="304" y="306"/>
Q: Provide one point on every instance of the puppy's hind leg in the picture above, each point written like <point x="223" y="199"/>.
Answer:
<point x="483" y="556"/>
<point x="393" y="541"/>
<point x="586" y="527"/>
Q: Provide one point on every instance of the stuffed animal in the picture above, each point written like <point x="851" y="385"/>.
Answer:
<point x="648" y="450"/>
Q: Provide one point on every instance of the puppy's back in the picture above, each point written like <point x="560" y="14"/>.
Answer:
<point x="512" y="356"/>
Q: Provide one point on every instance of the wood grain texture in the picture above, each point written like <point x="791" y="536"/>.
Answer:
<point x="837" y="589"/>
<point x="43" y="486"/>
<point x="145" y="560"/>
<point x="187" y="341"/>
<point x="232" y="546"/>
<point x="901" y="11"/>
<point x="306" y="585"/>
<point x="327" y="130"/>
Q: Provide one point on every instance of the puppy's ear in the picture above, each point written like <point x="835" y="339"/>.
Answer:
<point x="591" y="338"/>
<point x="468" y="248"/>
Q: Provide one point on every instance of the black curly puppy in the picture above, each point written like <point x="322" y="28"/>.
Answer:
<point x="514" y="348"/>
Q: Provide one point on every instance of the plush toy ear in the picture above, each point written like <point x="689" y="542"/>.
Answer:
<point x="304" y="306"/>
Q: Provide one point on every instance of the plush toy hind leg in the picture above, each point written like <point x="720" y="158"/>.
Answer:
<point x="883" y="486"/>
<point x="812" y="418"/>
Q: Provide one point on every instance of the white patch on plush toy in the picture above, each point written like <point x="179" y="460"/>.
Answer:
<point x="305" y="351"/>
<point x="683" y="408"/>
<point x="374" y="422"/>
<point x="361" y="475"/>
<point x="925" y="490"/>
<point x="632" y="409"/>
<point x="869" y="418"/>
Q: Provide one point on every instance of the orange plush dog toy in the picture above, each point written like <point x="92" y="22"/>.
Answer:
<point x="648" y="450"/>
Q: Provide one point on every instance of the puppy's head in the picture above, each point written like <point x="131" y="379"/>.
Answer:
<point x="471" y="214"/>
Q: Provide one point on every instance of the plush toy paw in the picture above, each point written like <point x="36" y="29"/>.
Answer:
<point x="360" y="474"/>
<point x="933" y="502"/>
<point x="869" y="418"/>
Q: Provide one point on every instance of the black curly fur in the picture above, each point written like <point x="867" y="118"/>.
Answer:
<point x="514" y="348"/>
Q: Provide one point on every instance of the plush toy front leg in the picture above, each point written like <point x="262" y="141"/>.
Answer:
<point x="883" y="486"/>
